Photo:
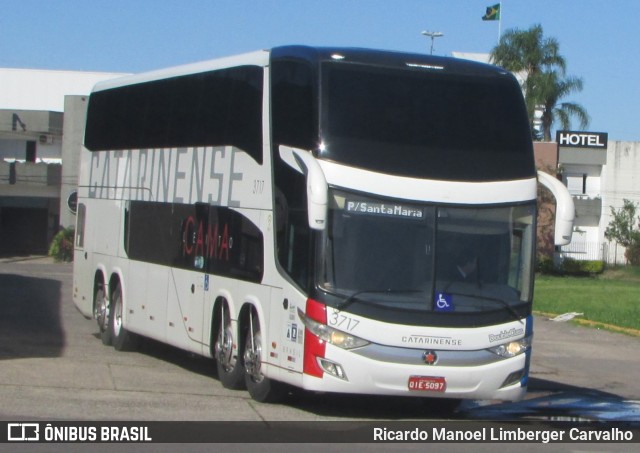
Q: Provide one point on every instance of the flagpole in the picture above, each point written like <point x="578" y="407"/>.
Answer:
<point x="500" y="23"/>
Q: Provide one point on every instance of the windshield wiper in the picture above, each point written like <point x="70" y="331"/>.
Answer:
<point x="354" y="297"/>
<point x="505" y="304"/>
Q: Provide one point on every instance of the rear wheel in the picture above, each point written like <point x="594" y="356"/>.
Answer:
<point x="122" y="339"/>
<point x="228" y="361"/>
<point x="101" y="313"/>
<point x="260" y="388"/>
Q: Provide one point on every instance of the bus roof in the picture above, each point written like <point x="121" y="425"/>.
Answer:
<point x="314" y="55"/>
<point x="258" y="58"/>
<point x="386" y="58"/>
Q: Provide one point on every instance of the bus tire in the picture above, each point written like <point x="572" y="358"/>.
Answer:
<point x="122" y="339"/>
<point x="228" y="361"/>
<point x="101" y="312"/>
<point x="261" y="388"/>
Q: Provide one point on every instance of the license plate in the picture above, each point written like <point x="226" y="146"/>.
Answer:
<point x="427" y="383"/>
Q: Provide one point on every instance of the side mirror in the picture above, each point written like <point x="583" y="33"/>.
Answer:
<point x="565" y="209"/>
<point x="317" y="187"/>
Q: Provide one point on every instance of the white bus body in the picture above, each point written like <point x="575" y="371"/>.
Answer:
<point x="295" y="213"/>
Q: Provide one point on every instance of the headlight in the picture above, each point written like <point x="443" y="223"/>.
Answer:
<point x="330" y="335"/>
<point x="513" y="348"/>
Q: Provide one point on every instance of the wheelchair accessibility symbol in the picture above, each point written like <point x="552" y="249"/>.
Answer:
<point x="444" y="302"/>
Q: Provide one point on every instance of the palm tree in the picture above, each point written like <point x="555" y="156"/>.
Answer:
<point x="539" y="63"/>
<point x="552" y="87"/>
<point x="528" y="52"/>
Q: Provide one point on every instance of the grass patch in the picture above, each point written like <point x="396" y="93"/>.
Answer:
<point x="612" y="298"/>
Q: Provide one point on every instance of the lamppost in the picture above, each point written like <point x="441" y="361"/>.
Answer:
<point x="433" y="35"/>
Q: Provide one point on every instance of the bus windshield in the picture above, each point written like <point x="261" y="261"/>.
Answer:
<point x="425" y="123"/>
<point x="423" y="257"/>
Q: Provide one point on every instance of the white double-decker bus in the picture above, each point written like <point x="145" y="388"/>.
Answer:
<point x="339" y="220"/>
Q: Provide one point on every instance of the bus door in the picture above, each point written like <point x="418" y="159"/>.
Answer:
<point x="83" y="265"/>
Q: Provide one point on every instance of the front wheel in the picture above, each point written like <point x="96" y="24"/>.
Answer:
<point x="261" y="388"/>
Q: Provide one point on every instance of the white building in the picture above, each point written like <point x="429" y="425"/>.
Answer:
<point x="599" y="178"/>
<point x="32" y="103"/>
<point x="620" y="180"/>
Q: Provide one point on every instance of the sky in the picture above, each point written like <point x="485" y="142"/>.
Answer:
<point x="598" y="38"/>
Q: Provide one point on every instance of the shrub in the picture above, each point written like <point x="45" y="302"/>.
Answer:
<point x="624" y="228"/>
<point x="632" y="254"/>
<point x="61" y="248"/>
<point x="569" y="266"/>
<point x="545" y="265"/>
<point x="578" y="267"/>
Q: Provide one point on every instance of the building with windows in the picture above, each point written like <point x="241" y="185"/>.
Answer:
<point x="32" y="176"/>
<point x="600" y="174"/>
<point x="582" y="157"/>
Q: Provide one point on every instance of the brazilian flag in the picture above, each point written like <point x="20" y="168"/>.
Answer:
<point x="493" y="12"/>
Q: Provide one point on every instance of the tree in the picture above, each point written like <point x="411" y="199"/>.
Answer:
<point x="61" y="248"/>
<point x="528" y="52"/>
<point x="552" y="87"/>
<point x="545" y="245"/>
<point x="538" y="61"/>
<point x="624" y="228"/>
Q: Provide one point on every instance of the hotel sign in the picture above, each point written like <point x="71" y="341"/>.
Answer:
<point x="574" y="139"/>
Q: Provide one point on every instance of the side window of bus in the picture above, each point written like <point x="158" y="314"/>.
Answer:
<point x="215" y="108"/>
<point x="293" y="236"/>
<point x="199" y="237"/>
<point x="82" y="214"/>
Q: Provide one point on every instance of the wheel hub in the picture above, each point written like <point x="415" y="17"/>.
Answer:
<point x="224" y="348"/>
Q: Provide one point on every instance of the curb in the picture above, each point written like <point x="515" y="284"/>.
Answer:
<point x="32" y="258"/>
<point x="596" y="324"/>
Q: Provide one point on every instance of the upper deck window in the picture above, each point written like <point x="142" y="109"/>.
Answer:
<point x="216" y="108"/>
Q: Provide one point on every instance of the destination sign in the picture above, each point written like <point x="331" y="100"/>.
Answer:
<point x="384" y="209"/>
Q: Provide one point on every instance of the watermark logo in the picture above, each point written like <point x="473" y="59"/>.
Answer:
<point x="23" y="432"/>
